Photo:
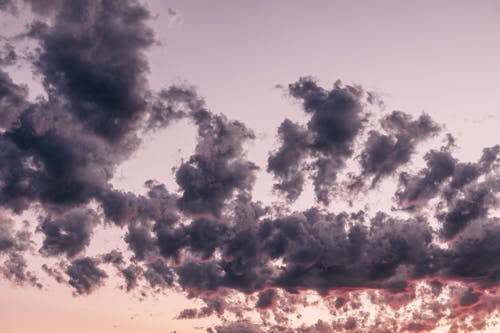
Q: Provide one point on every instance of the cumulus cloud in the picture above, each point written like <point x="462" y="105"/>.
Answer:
<point x="85" y="275"/>
<point x="336" y="118"/>
<point x="211" y="238"/>
<point x="69" y="234"/>
<point x="285" y="163"/>
<point x="218" y="169"/>
<point x="15" y="242"/>
<point x="384" y="153"/>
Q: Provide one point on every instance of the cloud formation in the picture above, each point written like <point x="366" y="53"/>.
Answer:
<point x="211" y="238"/>
<point x="336" y="119"/>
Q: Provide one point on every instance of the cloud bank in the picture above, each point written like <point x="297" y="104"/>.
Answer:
<point x="436" y="251"/>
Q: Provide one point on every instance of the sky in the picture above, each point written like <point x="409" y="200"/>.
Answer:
<point x="257" y="166"/>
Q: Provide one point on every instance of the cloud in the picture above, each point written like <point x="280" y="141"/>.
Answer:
<point x="85" y="275"/>
<point x="158" y="274"/>
<point x="15" y="269"/>
<point x="63" y="151"/>
<point x="336" y="118"/>
<point x="8" y="6"/>
<point x="174" y="18"/>
<point x="210" y="237"/>
<point x="243" y="327"/>
<point x="285" y="162"/>
<point x="14" y="244"/>
<point x="418" y="189"/>
<point x="12" y="100"/>
<point x="384" y="153"/>
<point x="131" y="275"/>
<point x="69" y="234"/>
<point x="93" y="55"/>
<point x="218" y="167"/>
<point x="266" y="299"/>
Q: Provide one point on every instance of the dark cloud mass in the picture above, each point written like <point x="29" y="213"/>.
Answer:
<point x="336" y="118"/>
<point x="217" y="169"/>
<point x="210" y="238"/>
<point x="266" y="299"/>
<point x="286" y="162"/>
<point x="7" y="5"/>
<point x="85" y="275"/>
<point x="93" y="57"/>
<point x="69" y="234"/>
<point x="384" y="153"/>
<point x="12" y="100"/>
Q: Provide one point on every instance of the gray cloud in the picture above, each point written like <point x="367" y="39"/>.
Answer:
<point x="336" y="118"/>
<point x="85" y="275"/>
<point x="60" y="153"/>
<point x="69" y="234"/>
<point x="384" y="153"/>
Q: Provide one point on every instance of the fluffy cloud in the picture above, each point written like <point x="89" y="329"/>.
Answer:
<point x="211" y="238"/>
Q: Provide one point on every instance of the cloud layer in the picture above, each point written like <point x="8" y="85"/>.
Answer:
<point x="211" y="238"/>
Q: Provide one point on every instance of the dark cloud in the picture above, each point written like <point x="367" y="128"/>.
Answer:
<point x="8" y="6"/>
<point x="12" y="101"/>
<point x="211" y="238"/>
<point x="417" y="190"/>
<point x="336" y="118"/>
<point x="321" y="254"/>
<point x="188" y="314"/>
<point x="54" y="273"/>
<point x="45" y="7"/>
<point x="68" y="234"/>
<point x="173" y="103"/>
<point x="14" y="244"/>
<point x="93" y="56"/>
<point x="214" y="305"/>
<point x="140" y="240"/>
<point x="85" y="275"/>
<point x="384" y="153"/>
<point x="461" y="212"/>
<point x="335" y="115"/>
<point x="465" y="197"/>
<point x="8" y="55"/>
<point x="470" y="297"/>
<point x="218" y="169"/>
<point x="200" y="276"/>
<point x="55" y="168"/>
<point x="62" y="151"/>
<point x="15" y="268"/>
<point x="285" y="163"/>
<point x="114" y="257"/>
<point x="475" y="255"/>
<point x="158" y="274"/>
<point x="266" y="299"/>
<point x="139" y="211"/>
<point x="7" y="237"/>
<point x="131" y="274"/>
<point x="158" y="204"/>
<point x="238" y="327"/>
